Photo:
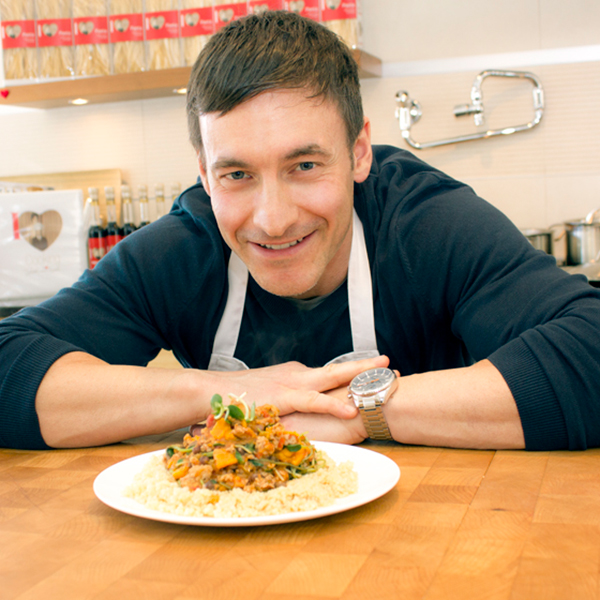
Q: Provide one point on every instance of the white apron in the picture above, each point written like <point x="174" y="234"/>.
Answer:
<point x="360" y="303"/>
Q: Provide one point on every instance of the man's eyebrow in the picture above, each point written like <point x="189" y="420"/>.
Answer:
<point x="308" y="150"/>
<point x="229" y="163"/>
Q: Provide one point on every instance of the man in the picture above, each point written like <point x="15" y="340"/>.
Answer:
<point x="303" y="246"/>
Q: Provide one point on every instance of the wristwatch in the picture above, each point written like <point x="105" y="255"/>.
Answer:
<point x="370" y="390"/>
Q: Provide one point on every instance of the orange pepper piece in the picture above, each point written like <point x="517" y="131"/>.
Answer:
<point x="223" y="458"/>
<point x="181" y="471"/>
<point x="222" y="430"/>
<point x="292" y="458"/>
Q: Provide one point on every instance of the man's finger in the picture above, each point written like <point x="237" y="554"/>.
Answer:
<point x="315" y="402"/>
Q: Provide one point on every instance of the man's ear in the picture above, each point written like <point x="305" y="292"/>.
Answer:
<point x="202" y="171"/>
<point x="363" y="153"/>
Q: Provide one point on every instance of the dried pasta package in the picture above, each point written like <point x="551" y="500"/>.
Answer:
<point x="126" y="34"/>
<point x="225" y="12"/>
<point x="307" y="8"/>
<point x="161" y="21"/>
<point x="258" y="6"/>
<point x="55" y="38"/>
<point x="90" y="29"/>
<point x="197" y="25"/>
<point x="342" y="17"/>
<point x="18" y="39"/>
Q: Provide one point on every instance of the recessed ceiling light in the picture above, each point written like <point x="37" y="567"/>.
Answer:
<point x="78" y="101"/>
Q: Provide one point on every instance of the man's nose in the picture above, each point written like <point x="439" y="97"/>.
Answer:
<point x="275" y="210"/>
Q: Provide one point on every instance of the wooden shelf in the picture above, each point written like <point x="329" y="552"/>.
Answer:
<point x="128" y="86"/>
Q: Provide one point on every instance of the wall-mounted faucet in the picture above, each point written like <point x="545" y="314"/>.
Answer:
<point x="408" y="111"/>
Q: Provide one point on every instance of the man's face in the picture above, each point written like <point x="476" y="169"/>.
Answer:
<point x="280" y="176"/>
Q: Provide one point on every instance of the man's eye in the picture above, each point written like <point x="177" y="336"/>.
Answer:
<point x="306" y="166"/>
<point x="236" y="175"/>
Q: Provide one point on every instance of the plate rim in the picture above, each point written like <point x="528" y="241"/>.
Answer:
<point x="130" y="506"/>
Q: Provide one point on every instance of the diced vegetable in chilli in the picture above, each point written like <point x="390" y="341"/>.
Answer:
<point x="241" y="447"/>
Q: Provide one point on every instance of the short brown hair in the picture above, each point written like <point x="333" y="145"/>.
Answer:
<point x="273" y="50"/>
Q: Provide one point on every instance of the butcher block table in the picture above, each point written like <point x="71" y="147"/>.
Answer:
<point x="458" y="525"/>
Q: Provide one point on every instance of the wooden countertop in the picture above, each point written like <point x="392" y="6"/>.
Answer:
<point x="459" y="525"/>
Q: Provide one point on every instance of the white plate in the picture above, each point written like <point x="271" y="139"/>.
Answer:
<point x="377" y="475"/>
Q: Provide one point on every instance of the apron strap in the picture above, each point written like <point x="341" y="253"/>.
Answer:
<point x="360" y="292"/>
<point x="229" y="328"/>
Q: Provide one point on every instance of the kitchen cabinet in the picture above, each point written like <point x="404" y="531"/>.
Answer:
<point x="127" y="86"/>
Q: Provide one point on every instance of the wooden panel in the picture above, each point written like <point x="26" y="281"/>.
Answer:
<point x="127" y="86"/>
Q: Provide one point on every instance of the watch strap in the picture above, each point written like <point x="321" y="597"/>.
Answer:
<point x="371" y="411"/>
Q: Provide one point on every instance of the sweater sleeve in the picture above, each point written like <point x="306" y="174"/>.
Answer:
<point x="511" y="304"/>
<point x="123" y="312"/>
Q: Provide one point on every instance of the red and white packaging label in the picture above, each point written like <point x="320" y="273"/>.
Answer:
<point x="18" y="34"/>
<point x="197" y="21"/>
<point x="54" y="32"/>
<point x="90" y="30"/>
<point x="337" y="10"/>
<point x="96" y="250"/>
<point x="225" y="13"/>
<point x="161" y="25"/>
<point x="258" y="6"/>
<point x="126" y="28"/>
<point x="307" y="8"/>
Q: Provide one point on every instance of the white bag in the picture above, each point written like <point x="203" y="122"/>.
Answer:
<point x="43" y="244"/>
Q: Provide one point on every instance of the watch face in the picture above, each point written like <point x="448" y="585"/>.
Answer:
<point x="372" y="381"/>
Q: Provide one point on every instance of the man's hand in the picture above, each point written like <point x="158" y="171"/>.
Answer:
<point x="328" y="428"/>
<point x="292" y="387"/>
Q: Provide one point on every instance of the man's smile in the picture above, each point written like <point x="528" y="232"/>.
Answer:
<point x="281" y="246"/>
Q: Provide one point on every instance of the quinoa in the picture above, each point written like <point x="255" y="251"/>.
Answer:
<point x="156" y="489"/>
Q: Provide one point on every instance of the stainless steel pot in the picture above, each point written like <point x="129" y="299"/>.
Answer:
<point x="539" y="238"/>
<point x="583" y="242"/>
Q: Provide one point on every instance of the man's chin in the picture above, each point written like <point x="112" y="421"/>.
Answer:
<point x="288" y="288"/>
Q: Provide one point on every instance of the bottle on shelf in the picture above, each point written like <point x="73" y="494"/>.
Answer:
<point x="96" y="233"/>
<point x="144" y="206"/>
<point x="159" y="196"/>
<point x="127" y="210"/>
<point x="114" y="233"/>
<point x="175" y="191"/>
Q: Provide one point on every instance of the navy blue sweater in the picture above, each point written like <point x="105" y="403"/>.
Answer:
<point x="453" y="282"/>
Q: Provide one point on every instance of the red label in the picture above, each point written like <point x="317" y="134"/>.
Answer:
<point x="306" y="8"/>
<point x="162" y="25"/>
<point x="54" y="32"/>
<point x="335" y="10"/>
<point x="112" y="241"/>
<point x="126" y="28"/>
<point x="225" y="13"/>
<point x="197" y="21"/>
<point x="15" y="222"/>
<point x="259" y="6"/>
<point x="91" y="30"/>
<point x="96" y="250"/>
<point x="18" y="34"/>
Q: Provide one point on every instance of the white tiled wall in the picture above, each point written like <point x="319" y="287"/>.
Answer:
<point x="537" y="178"/>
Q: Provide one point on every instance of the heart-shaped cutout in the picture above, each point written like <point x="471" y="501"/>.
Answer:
<point x="86" y="27"/>
<point x="50" y="29"/>
<point x="257" y="9"/>
<point x="191" y="19"/>
<point x="4" y="93"/>
<point x="13" y="31"/>
<point x="121" y="25"/>
<point x="297" y="6"/>
<point x="157" y="22"/>
<point x="226" y="14"/>
<point x="42" y="230"/>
